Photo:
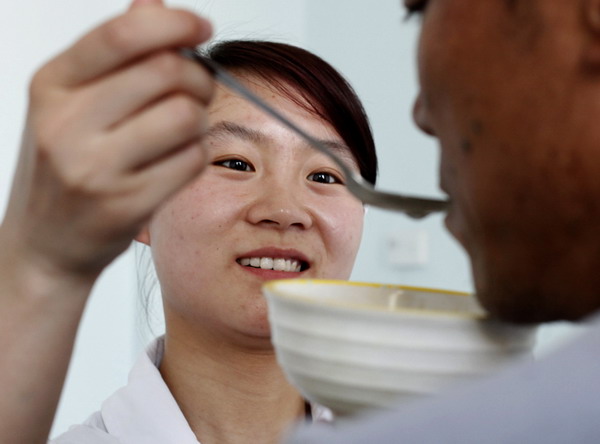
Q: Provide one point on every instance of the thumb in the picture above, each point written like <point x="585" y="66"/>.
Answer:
<point x="136" y="3"/>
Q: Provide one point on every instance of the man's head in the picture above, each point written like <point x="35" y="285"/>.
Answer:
<point x="511" y="89"/>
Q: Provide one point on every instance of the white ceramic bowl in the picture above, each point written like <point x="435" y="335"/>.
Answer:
<point x="350" y="346"/>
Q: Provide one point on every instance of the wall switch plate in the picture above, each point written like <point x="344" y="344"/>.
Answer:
<point x="408" y="248"/>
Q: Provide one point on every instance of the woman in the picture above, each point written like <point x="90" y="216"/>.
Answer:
<point x="265" y="206"/>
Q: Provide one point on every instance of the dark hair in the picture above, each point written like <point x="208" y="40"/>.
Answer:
<point x="295" y="71"/>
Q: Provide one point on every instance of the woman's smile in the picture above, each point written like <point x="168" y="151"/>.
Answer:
<point x="274" y="263"/>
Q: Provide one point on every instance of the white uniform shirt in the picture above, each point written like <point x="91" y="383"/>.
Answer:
<point x="555" y="400"/>
<point x="144" y="411"/>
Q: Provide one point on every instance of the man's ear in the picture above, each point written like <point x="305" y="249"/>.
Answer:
<point x="591" y="21"/>
<point x="144" y="235"/>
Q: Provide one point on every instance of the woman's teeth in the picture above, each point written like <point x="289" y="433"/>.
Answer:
<point x="269" y="263"/>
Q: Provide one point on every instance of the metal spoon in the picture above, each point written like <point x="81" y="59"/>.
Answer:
<point x="415" y="207"/>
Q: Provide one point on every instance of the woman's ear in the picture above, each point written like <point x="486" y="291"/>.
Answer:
<point x="591" y="21"/>
<point x="144" y="235"/>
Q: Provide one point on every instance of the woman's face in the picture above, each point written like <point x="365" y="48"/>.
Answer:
<point x="266" y="207"/>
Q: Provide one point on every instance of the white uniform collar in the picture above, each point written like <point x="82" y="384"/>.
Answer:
<point x="145" y="412"/>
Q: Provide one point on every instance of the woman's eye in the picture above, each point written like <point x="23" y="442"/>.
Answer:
<point x="235" y="164"/>
<point x="322" y="177"/>
<point x="414" y="7"/>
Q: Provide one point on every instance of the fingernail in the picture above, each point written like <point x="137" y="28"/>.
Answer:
<point x="136" y="3"/>
<point x="206" y="28"/>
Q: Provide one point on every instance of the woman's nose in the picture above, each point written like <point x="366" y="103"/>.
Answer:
<point x="420" y="115"/>
<point x="280" y="208"/>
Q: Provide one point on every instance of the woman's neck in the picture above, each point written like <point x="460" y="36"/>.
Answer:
<point x="229" y="394"/>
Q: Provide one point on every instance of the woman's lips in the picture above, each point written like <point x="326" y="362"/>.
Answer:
<point x="269" y="275"/>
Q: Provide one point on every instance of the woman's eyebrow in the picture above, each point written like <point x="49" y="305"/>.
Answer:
<point x="340" y="149"/>
<point x="227" y="128"/>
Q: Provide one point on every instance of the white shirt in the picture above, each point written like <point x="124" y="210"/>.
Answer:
<point x="144" y="411"/>
<point x="555" y="400"/>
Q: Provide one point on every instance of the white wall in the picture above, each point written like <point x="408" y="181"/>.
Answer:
<point x="370" y="44"/>
<point x="376" y="52"/>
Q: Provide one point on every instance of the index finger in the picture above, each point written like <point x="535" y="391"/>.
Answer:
<point x="125" y="38"/>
